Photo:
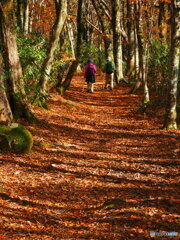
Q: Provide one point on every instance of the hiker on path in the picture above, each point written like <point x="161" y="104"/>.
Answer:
<point x="89" y="74"/>
<point x="109" y="70"/>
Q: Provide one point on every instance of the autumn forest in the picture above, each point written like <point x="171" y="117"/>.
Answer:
<point x="89" y="155"/>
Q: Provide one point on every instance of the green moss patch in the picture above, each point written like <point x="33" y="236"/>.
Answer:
<point x="15" y="138"/>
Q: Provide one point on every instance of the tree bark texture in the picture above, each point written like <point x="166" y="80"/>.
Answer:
<point x="26" y="17"/>
<point x="75" y="63"/>
<point x="142" y="41"/>
<point x="22" y="15"/>
<point x="131" y="47"/>
<point x="69" y="26"/>
<point x="19" y="14"/>
<point x="171" y="112"/>
<point x="6" y="116"/>
<point x="13" y="70"/>
<point x="53" y="43"/>
<point x="117" y="38"/>
<point x="10" y="52"/>
<point x="105" y="28"/>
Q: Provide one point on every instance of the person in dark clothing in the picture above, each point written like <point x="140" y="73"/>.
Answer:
<point x="89" y="74"/>
<point x="109" y="69"/>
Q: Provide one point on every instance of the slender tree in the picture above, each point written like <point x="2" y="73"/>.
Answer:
<point x="104" y="16"/>
<point x="61" y="10"/>
<point x="143" y="30"/>
<point x="131" y="44"/>
<point x="171" y="112"/>
<point x="22" y="15"/>
<point x="69" y="29"/>
<point x="161" y="18"/>
<point x="75" y="63"/>
<point x="117" y="38"/>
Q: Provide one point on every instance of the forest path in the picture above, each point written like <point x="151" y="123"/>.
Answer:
<point x="98" y="170"/>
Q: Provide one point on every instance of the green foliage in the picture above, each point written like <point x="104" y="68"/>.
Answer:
<point x="144" y="107"/>
<point x="61" y="90"/>
<point x="121" y="135"/>
<point x="2" y="189"/>
<point x="31" y="47"/>
<point x="158" y="65"/>
<point x="70" y="105"/>
<point x="15" y="138"/>
<point x="112" y="204"/>
<point x="92" y="52"/>
<point x="32" y="51"/>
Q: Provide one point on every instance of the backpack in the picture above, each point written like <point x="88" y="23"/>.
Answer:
<point x="109" y="67"/>
<point x="90" y="70"/>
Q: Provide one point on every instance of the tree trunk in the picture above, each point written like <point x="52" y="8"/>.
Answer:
<point x="11" y="57"/>
<point x="117" y="38"/>
<point x="138" y="51"/>
<point x="143" y="48"/>
<point x="171" y="114"/>
<point x="22" y="15"/>
<point x="19" y="14"/>
<point x="53" y="43"/>
<point x="13" y="69"/>
<point x="26" y="17"/>
<point x="6" y="116"/>
<point x="75" y="63"/>
<point x="144" y="74"/>
<point x="71" y="37"/>
<point x="161" y="18"/>
<point x="143" y="42"/>
<point x="105" y="28"/>
<point x="131" y="63"/>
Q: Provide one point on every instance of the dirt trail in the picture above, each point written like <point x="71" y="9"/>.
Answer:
<point x="98" y="170"/>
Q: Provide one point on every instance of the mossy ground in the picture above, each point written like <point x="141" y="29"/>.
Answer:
<point x="15" y="139"/>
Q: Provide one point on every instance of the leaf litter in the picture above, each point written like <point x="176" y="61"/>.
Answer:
<point x="98" y="170"/>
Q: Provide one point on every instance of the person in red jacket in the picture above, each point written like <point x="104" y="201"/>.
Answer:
<point x="89" y="74"/>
